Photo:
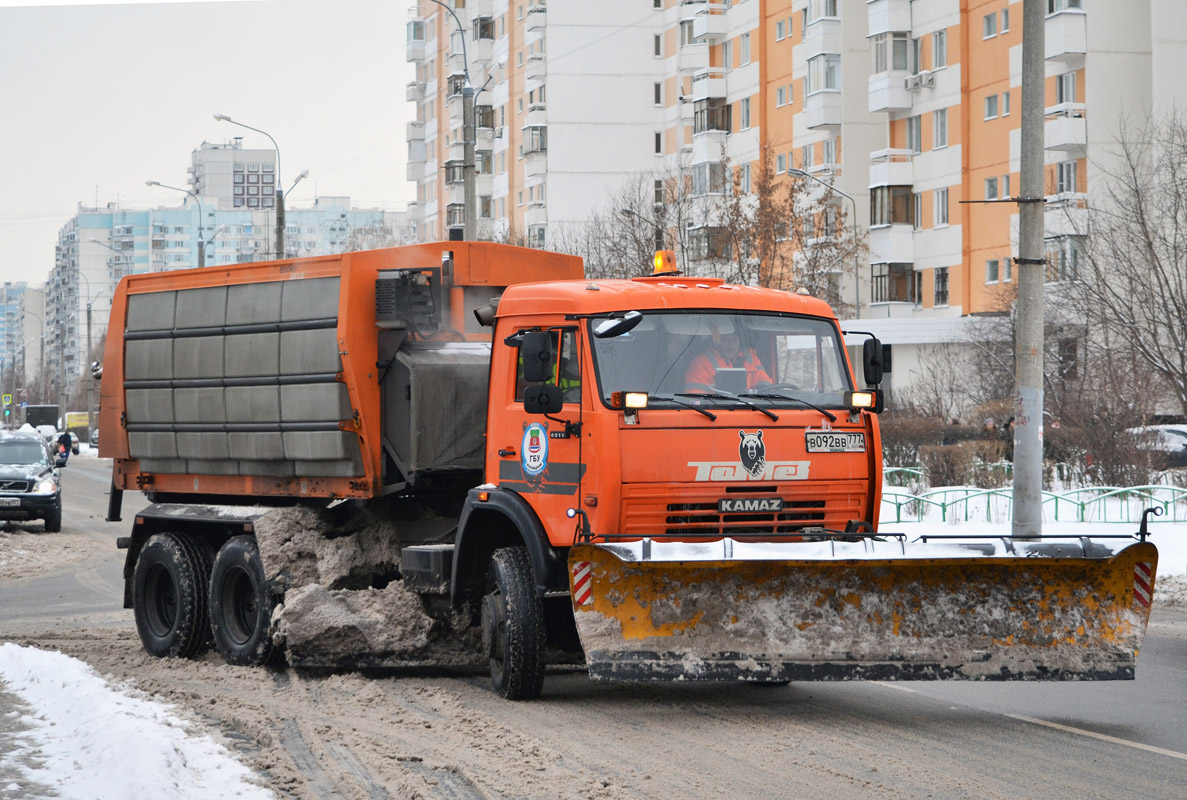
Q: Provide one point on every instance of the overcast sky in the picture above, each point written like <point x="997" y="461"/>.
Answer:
<point x="97" y="98"/>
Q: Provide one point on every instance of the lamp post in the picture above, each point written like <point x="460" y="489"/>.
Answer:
<point x="799" y="173"/>
<point x="279" y="186"/>
<point x="201" y="245"/>
<point x="40" y="360"/>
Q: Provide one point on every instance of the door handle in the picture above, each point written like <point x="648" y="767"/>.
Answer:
<point x="506" y="451"/>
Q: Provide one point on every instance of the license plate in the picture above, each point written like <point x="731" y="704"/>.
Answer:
<point x="749" y="505"/>
<point x="835" y="442"/>
<point x="6" y="502"/>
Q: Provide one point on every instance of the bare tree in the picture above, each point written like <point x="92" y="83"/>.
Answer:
<point x="1136" y="251"/>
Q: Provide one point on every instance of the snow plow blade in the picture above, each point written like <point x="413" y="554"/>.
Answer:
<point x="751" y="617"/>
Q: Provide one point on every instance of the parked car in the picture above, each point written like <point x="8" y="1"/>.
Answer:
<point x="30" y="486"/>
<point x="94" y="437"/>
<point x="1170" y="441"/>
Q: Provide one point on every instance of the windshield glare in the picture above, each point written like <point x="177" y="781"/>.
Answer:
<point x="749" y="354"/>
<point x="22" y="453"/>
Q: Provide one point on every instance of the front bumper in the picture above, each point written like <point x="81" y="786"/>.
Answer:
<point x="28" y="506"/>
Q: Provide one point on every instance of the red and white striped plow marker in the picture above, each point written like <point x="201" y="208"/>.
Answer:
<point x="1141" y="583"/>
<point x="582" y="589"/>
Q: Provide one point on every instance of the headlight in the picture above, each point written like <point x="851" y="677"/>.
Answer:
<point x="46" y="486"/>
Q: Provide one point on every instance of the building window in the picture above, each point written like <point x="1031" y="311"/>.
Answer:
<point x="657" y="45"/>
<point x="892" y="283"/>
<point x="238" y="178"/>
<point x="991" y="107"/>
<point x="940" y="128"/>
<point x="712" y="114"/>
<point x="657" y="94"/>
<point x="1005" y="104"/>
<point x="1005" y="186"/>
<point x="727" y="55"/>
<point x="535" y="139"/>
<point x="659" y="143"/>
<point x="744" y="113"/>
<point x="941" y="210"/>
<point x="708" y="178"/>
<point x="939" y="49"/>
<point x="686" y="36"/>
<point x="744" y="179"/>
<point x="780" y="97"/>
<point x="830" y="152"/>
<point x="1065" y="88"/>
<point x="807" y="156"/>
<point x="823" y="73"/>
<point x="790" y="98"/>
<point x="941" y="288"/>
<point x="918" y="211"/>
<point x="914" y="134"/>
<point x="991" y="188"/>
<point x="917" y="55"/>
<point x="1007" y="267"/>
<point x="989" y="26"/>
<point x="1061" y="5"/>
<point x="657" y="193"/>
<point x="1065" y="177"/>
<point x="744" y="49"/>
<point x="780" y="164"/>
<point x="819" y="9"/>
<point x="779" y="34"/>
<point x="1063" y="258"/>
<point x="889" y="51"/>
<point x="991" y="270"/>
<point x="891" y="205"/>
<point x="1005" y="20"/>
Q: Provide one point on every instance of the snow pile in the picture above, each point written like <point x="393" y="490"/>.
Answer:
<point x="80" y="734"/>
<point x="1170" y="590"/>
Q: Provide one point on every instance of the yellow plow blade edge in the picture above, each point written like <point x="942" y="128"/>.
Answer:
<point x="975" y="618"/>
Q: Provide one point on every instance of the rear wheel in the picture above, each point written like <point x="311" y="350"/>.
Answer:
<point x="241" y="605"/>
<point x="513" y="625"/>
<point x="169" y="595"/>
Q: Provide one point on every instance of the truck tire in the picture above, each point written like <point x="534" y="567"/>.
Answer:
<point x="513" y="634"/>
<point x="241" y="605"/>
<point x="169" y="596"/>
<point x="53" y="521"/>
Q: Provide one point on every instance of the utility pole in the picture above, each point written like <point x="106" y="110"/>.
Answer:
<point x="1028" y="352"/>
<point x="469" y="193"/>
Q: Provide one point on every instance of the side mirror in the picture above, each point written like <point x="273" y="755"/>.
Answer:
<point x="60" y="461"/>
<point x="871" y="357"/>
<point x="544" y="398"/>
<point x="536" y="352"/>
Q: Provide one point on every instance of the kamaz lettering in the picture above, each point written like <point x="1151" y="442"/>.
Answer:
<point x="735" y="505"/>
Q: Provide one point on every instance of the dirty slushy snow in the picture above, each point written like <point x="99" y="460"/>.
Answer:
<point x="85" y="739"/>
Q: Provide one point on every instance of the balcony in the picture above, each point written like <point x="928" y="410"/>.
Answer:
<point x="694" y="57"/>
<point x="891" y="167"/>
<point x="536" y="214"/>
<point x="886" y="16"/>
<point x="1066" y="129"/>
<point x="535" y="69"/>
<point x="415" y="50"/>
<point x="888" y="91"/>
<point x="480" y="51"/>
<point x="535" y="164"/>
<point x="709" y="24"/>
<point x="537" y="115"/>
<point x="708" y="83"/>
<point x="822" y="36"/>
<point x="892" y="243"/>
<point x="415" y="171"/>
<point x="537" y="20"/>
<point x="708" y="146"/>
<point x="415" y="131"/>
<point x="1067" y="37"/>
<point x="822" y="110"/>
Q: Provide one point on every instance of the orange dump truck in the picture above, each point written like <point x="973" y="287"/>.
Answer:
<point x="682" y="471"/>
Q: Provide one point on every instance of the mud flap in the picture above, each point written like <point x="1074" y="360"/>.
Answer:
<point x="974" y="618"/>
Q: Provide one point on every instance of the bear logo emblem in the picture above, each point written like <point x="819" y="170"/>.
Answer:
<point x="752" y="452"/>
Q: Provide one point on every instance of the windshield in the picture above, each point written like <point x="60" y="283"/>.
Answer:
<point x="669" y="354"/>
<point x="22" y="453"/>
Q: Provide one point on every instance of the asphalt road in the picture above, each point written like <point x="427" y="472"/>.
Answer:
<point x="908" y="740"/>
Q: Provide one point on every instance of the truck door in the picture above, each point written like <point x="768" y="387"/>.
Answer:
<point x="540" y="454"/>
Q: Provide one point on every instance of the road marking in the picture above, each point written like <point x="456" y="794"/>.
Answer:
<point x="1066" y="728"/>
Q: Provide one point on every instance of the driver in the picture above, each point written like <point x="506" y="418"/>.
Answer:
<point x="725" y="353"/>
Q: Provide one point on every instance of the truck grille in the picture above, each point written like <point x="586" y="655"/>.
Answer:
<point x="15" y="486"/>
<point x="649" y="510"/>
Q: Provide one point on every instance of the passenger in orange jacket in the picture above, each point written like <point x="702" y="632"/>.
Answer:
<point x="725" y="354"/>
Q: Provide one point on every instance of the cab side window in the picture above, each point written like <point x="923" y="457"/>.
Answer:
<point x="566" y="370"/>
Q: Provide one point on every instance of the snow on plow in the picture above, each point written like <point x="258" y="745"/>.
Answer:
<point x="839" y="611"/>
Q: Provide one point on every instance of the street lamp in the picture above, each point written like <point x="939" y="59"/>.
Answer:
<point x="201" y="245"/>
<point x="279" y="186"/>
<point x="799" y="173"/>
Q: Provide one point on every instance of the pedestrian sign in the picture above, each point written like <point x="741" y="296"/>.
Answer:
<point x="7" y="399"/>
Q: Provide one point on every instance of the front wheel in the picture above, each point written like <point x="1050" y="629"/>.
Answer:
<point x="169" y="596"/>
<point x="53" y="520"/>
<point x="241" y="605"/>
<point x="513" y="625"/>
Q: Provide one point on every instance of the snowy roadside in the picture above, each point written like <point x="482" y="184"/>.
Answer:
<point x="85" y="739"/>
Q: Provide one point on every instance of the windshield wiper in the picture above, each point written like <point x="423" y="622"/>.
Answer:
<point x="704" y="411"/>
<point x="769" y="396"/>
<point x="720" y="395"/>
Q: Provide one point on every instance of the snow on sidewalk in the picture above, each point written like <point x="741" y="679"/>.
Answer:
<point x="89" y="740"/>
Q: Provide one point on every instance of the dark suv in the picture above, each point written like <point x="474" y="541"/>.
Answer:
<point x="30" y="487"/>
